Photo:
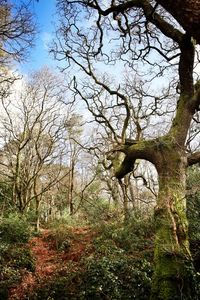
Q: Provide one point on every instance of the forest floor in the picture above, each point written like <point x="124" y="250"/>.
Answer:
<point x="49" y="259"/>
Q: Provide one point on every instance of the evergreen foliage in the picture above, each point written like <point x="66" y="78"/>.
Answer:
<point x="15" y="257"/>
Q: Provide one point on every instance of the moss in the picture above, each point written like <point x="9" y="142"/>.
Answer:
<point x="166" y="291"/>
<point x="172" y="280"/>
<point x="171" y="273"/>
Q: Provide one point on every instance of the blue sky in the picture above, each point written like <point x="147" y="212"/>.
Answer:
<point x="44" y="11"/>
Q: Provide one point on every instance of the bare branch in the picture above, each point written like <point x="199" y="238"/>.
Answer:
<point x="193" y="158"/>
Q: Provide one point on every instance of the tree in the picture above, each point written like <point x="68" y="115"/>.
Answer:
<point x="17" y="31"/>
<point x="73" y="126"/>
<point x="148" y="40"/>
<point x="32" y="131"/>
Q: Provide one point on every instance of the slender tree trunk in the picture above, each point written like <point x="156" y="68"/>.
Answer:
<point x="37" y="207"/>
<point x="14" y="195"/>
<point x="71" y="188"/>
<point x="173" y="264"/>
<point x="125" y="198"/>
<point x="114" y="190"/>
<point x="132" y="194"/>
<point x="37" y="213"/>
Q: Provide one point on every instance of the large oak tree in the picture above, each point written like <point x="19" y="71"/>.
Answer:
<point x="155" y="40"/>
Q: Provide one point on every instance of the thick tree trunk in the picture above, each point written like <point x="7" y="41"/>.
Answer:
<point x="187" y="13"/>
<point x="173" y="264"/>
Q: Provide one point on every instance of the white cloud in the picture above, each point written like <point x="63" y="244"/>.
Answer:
<point x="46" y="38"/>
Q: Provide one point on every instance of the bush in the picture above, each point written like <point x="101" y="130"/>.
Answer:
<point x="135" y="236"/>
<point x="76" y="220"/>
<point x="21" y="258"/>
<point x="4" y="248"/>
<point x="6" y="203"/>
<point x="100" y="210"/>
<point x="8" y="277"/>
<point x="14" y="229"/>
<point x="119" y="277"/>
<point x="14" y="255"/>
<point x="13" y="259"/>
<point x="62" y="286"/>
<point x="62" y="236"/>
<point x="113" y="269"/>
<point x="105" y="277"/>
<point x="118" y="269"/>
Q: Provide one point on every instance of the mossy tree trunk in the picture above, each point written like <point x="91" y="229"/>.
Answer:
<point x="173" y="264"/>
<point x="173" y="275"/>
<point x="173" y="272"/>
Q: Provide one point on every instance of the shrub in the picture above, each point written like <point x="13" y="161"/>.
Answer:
<point x="112" y="270"/>
<point x="12" y="260"/>
<point x="100" y="278"/>
<point x="21" y="258"/>
<point x="76" y="220"/>
<point x="62" y="286"/>
<point x="135" y="236"/>
<point x="4" y="248"/>
<point x="100" y="210"/>
<point x="6" y="203"/>
<point x="14" y="255"/>
<point x="119" y="277"/>
<point x="62" y="236"/>
<point x="105" y="277"/>
<point x="14" y="229"/>
<point x="8" y="276"/>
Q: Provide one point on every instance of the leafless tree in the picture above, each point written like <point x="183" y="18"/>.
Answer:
<point x="33" y="139"/>
<point x="17" y="32"/>
<point x="17" y="29"/>
<point x="74" y="130"/>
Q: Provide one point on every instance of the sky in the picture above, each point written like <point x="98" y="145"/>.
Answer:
<point x="45" y="17"/>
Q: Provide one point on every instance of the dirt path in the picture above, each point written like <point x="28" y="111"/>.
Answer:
<point x="47" y="259"/>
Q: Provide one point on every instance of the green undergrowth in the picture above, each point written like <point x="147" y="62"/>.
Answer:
<point x="136" y="236"/>
<point x="116" y="264"/>
<point x="15" y="256"/>
<point x="62" y="235"/>
<point x="77" y="220"/>
<point x="105" y="277"/>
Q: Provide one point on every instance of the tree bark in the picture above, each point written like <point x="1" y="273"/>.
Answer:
<point x="71" y="187"/>
<point x="37" y="214"/>
<point x="173" y="277"/>
<point x="114" y="190"/>
<point x="187" y="13"/>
